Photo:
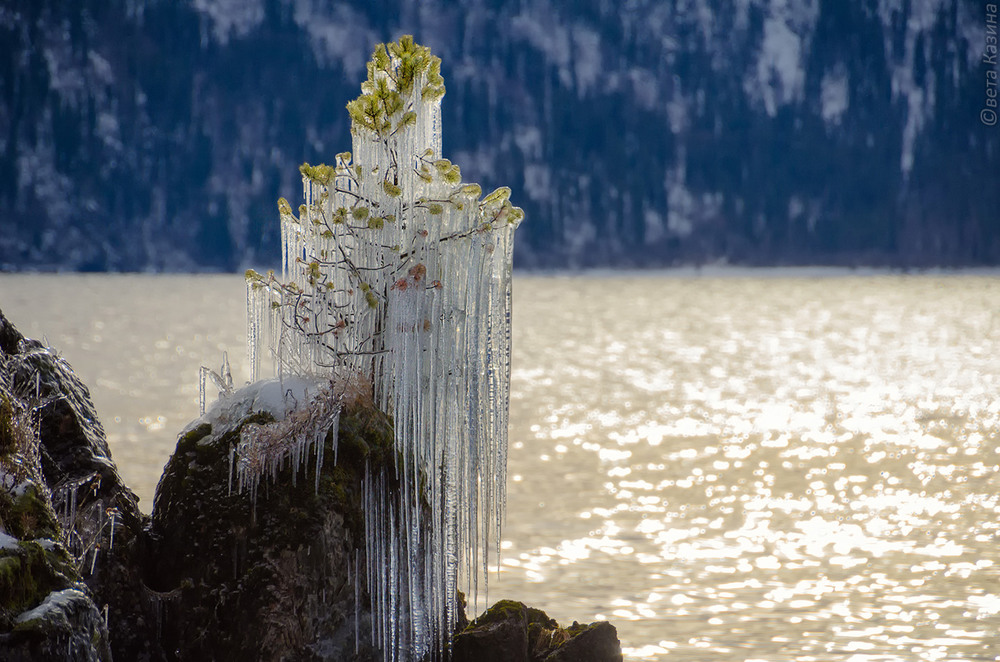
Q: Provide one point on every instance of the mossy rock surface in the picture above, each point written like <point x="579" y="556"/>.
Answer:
<point x="268" y="580"/>
<point x="29" y="571"/>
<point x="510" y="631"/>
<point x="51" y="443"/>
<point x="26" y="513"/>
<point x="65" y="627"/>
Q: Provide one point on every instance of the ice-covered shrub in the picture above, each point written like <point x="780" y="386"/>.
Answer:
<point x="398" y="275"/>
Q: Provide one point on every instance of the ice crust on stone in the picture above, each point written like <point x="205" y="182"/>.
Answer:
<point x="397" y="275"/>
<point x="54" y="606"/>
<point x="7" y="542"/>
<point x="264" y="450"/>
<point x="266" y="395"/>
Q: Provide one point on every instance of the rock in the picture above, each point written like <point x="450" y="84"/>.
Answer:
<point x="511" y="632"/>
<point x="65" y="626"/>
<point x="46" y="612"/>
<point x="101" y="517"/>
<point x="499" y="635"/>
<point x="597" y="642"/>
<point x="274" y="579"/>
<point x="9" y="336"/>
<point x="29" y="571"/>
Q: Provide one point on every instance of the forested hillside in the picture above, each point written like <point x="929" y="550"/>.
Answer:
<point x="157" y="134"/>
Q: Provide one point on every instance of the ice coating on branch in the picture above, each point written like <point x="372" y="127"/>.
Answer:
<point x="264" y="449"/>
<point x="397" y="274"/>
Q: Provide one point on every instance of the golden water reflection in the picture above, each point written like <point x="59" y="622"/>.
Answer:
<point x="784" y="468"/>
<point x="793" y="468"/>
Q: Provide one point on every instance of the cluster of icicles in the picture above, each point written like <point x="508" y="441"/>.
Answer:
<point x="417" y="305"/>
<point x="265" y="449"/>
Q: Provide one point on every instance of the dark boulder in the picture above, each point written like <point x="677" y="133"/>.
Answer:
<point x="101" y="521"/>
<point x="46" y="611"/>
<point x="271" y="579"/>
<point x="65" y="626"/>
<point x="509" y="631"/>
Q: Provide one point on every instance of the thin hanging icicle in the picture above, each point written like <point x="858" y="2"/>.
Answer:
<point x="357" y="604"/>
<point x="202" y="385"/>
<point x="396" y="273"/>
<point x="253" y="333"/>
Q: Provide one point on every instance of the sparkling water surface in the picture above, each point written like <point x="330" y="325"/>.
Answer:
<point x="774" y="466"/>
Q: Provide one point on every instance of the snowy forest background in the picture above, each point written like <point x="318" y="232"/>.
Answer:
<point x="158" y="134"/>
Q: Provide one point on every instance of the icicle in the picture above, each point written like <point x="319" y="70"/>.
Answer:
<point x="357" y="602"/>
<point x="158" y="608"/>
<point x="202" y="378"/>
<point x="114" y="516"/>
<point x="232" y="453"/>
<point x="226" y="374"/>
<point x="72" y="508"/>
<point x="253" y="330"/>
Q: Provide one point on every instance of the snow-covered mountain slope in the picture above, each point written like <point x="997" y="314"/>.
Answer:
<point x="157" y="134"/>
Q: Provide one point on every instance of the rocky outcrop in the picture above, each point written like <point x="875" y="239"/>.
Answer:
<point x="100" y="517"/>
<point x="50" y="444"/>
<point x="509" y="631"/>
<point x="213" y="574"/>
<point x="273" y="578"/>
<point x="65" y="626"/>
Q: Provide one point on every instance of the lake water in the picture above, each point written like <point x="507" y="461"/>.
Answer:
<point x="769" y="466"/>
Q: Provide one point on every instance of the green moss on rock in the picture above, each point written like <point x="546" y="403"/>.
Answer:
<point x="65" y="626"/>
<point x="28" y="515"/>
<point x="596" y="642"/>
<point x="509" y="631"/>
<point x="227" y="561"/>
<point x="30" y="571"/>
<point x="188" y="441"/>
